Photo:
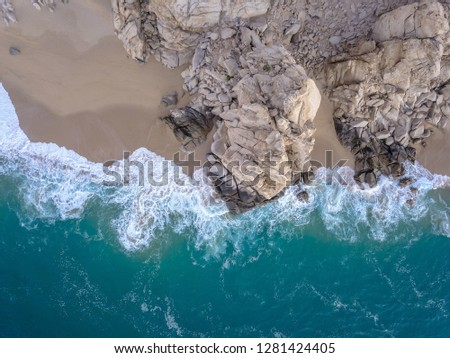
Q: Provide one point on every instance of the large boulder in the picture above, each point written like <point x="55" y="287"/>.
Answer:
<point x="425" y="19"/>
<point x="264" y="113"/>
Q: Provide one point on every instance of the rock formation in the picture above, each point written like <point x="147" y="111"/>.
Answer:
<point x="171" y="29"/>
<point x="7" y="12"/>
<point x="261" y="100"/>
<point x="264" y="105"/>
<point x="389" y="93"/>
<point x="190" y="127"/>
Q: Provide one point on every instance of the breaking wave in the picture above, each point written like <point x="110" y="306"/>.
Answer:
<point x="54" y="183"/>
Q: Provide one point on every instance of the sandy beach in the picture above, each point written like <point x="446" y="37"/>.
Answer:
<point x="72" y="84"/>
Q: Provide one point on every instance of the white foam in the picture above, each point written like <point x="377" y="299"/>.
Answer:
<point x="57" y="184"/>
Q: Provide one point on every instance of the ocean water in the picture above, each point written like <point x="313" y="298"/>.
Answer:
<point x="83" y="259"/>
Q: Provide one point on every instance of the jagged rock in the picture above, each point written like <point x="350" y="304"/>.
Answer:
<point x="360" y="123"/>
<point x="303" y="196"/>
<point x="190" y="127"/>
<point x="172" y="29"/>
<point x="383" y="135"/>
<point x="170" y="100"/>
<point x="405" y="182"/>
<point x="264" y="139"/>
<point x="418" y="132"/>
<point x="227" y="33"/>
<point x="7" y="12"/>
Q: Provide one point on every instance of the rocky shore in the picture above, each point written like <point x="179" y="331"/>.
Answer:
<point x="253" y="70"/>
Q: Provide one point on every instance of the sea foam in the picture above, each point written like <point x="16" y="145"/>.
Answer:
<point x="55" y="183"/>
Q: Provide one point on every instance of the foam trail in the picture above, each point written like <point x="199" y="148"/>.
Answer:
<point x="54" y="183"/>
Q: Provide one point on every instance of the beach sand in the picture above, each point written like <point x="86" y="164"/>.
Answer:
<point x="436" y="156"/>
<point x="73" y="85"/>
<point x="326" y="139"/>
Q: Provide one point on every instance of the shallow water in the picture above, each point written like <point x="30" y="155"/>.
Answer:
<point x="83" y="259"/>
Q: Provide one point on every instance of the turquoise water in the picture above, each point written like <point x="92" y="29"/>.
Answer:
<point x="81" y="259"/>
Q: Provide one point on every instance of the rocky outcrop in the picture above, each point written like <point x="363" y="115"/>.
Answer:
<point x="171" y="29"/>
<point x="191" y="128"/>
<point x="264" y="106"/>
<point x="7" y="12"/>
<point x="390" y="92"/>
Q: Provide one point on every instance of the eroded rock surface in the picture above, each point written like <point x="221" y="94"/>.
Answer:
<point x="389" y="93"/>
<point x="171" y="29"/>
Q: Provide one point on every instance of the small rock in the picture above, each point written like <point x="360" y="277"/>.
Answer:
<point x="14" y="51"/>
<point x="360" y="123"/>
<point x="292" y="30"/>
<point x="213" y="36"/>
<point x="170" y="100"/>
<point x="371" y="179"/>
<point x="335" y="40"/>
<point x="303" y="196"/>
<point x="383" y="135"/>
<point x="224" y="98"/>
<point x="227" y="33"/>
<point x="405" y="182"/>
<point x="400" y="134"/>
